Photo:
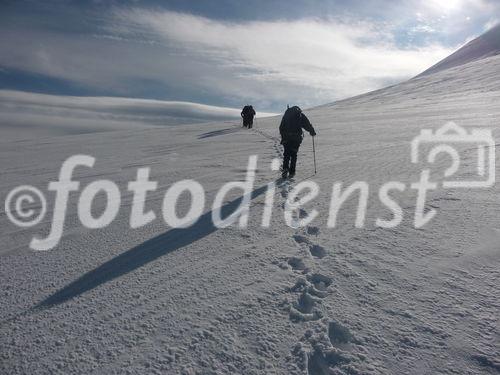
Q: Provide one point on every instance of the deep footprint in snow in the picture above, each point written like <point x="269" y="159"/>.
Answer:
<point x="318" y="285"/>
<point x="325" y="360"/>
<point x="485" y="361"/>
<point x="305" y="303"/>
<point x="301" y="239"/>
<point x="297" y="264"/>
<point x="314" y="231"/>
<point x="315" y="284"/>
<point x="338" y="334"/>
<point x="317" y="251"/>
<point x="321" y="363"/>
<point x="299" y="286"/>
<point x="304" y="308"/>
<point x="320" y="282"/>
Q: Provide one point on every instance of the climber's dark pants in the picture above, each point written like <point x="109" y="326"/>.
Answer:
<point x="248" y="122"/>
<point x="290" y="155"/>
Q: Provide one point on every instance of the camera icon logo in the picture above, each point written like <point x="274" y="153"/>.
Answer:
<point x="447" y="140"/>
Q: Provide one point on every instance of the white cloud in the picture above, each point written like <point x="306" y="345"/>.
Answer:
<point x="72" y="114"/>
<point x="455" y="6"/>
<point x="269" y="64"/>
<point x="340" y="58"/>
<point x="451" y="21"/>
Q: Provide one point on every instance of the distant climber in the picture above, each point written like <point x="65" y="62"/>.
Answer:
<point x="247" y="114"/>
<point x="291" y="126"/>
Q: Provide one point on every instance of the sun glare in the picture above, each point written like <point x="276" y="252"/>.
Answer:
<point x="446" y="5"/>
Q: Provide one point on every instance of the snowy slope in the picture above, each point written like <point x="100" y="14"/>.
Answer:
<point x="263" y="300"/>
<point x="486" y="45"/>
<point x="24" y="115"/>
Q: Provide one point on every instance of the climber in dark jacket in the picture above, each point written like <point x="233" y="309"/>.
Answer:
<point x="248" y="113"/>
<point x="291" y="126"/>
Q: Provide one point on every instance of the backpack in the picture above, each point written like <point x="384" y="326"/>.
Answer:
<point x="291" y="119"/>
<point x="291" y="127"/>
<point x="247" y="110"/>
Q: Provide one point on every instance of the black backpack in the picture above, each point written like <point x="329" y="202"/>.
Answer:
<point x="291" y="119"/>
<point x="247" y="110"/>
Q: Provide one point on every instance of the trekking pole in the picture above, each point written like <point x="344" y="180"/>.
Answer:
<point x="314" y="156"/>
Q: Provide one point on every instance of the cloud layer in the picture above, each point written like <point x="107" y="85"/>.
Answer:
<point x="305" y="52"/>
<point x="69" y="114"/>
<point x="346" y="57"/>
<point x="268" y="63"/>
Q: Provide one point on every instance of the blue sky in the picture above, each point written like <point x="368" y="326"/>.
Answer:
<point x="229" y="53"/>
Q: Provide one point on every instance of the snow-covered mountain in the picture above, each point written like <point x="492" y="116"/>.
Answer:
<point x="483" y="46"/>
<point x="277" y="300"/>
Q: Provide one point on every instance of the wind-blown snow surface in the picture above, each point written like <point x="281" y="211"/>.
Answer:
<point x="264" y="301"/>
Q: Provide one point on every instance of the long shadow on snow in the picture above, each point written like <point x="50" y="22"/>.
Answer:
<point x="216" y="133"/>
<point x="144" y="253"/>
